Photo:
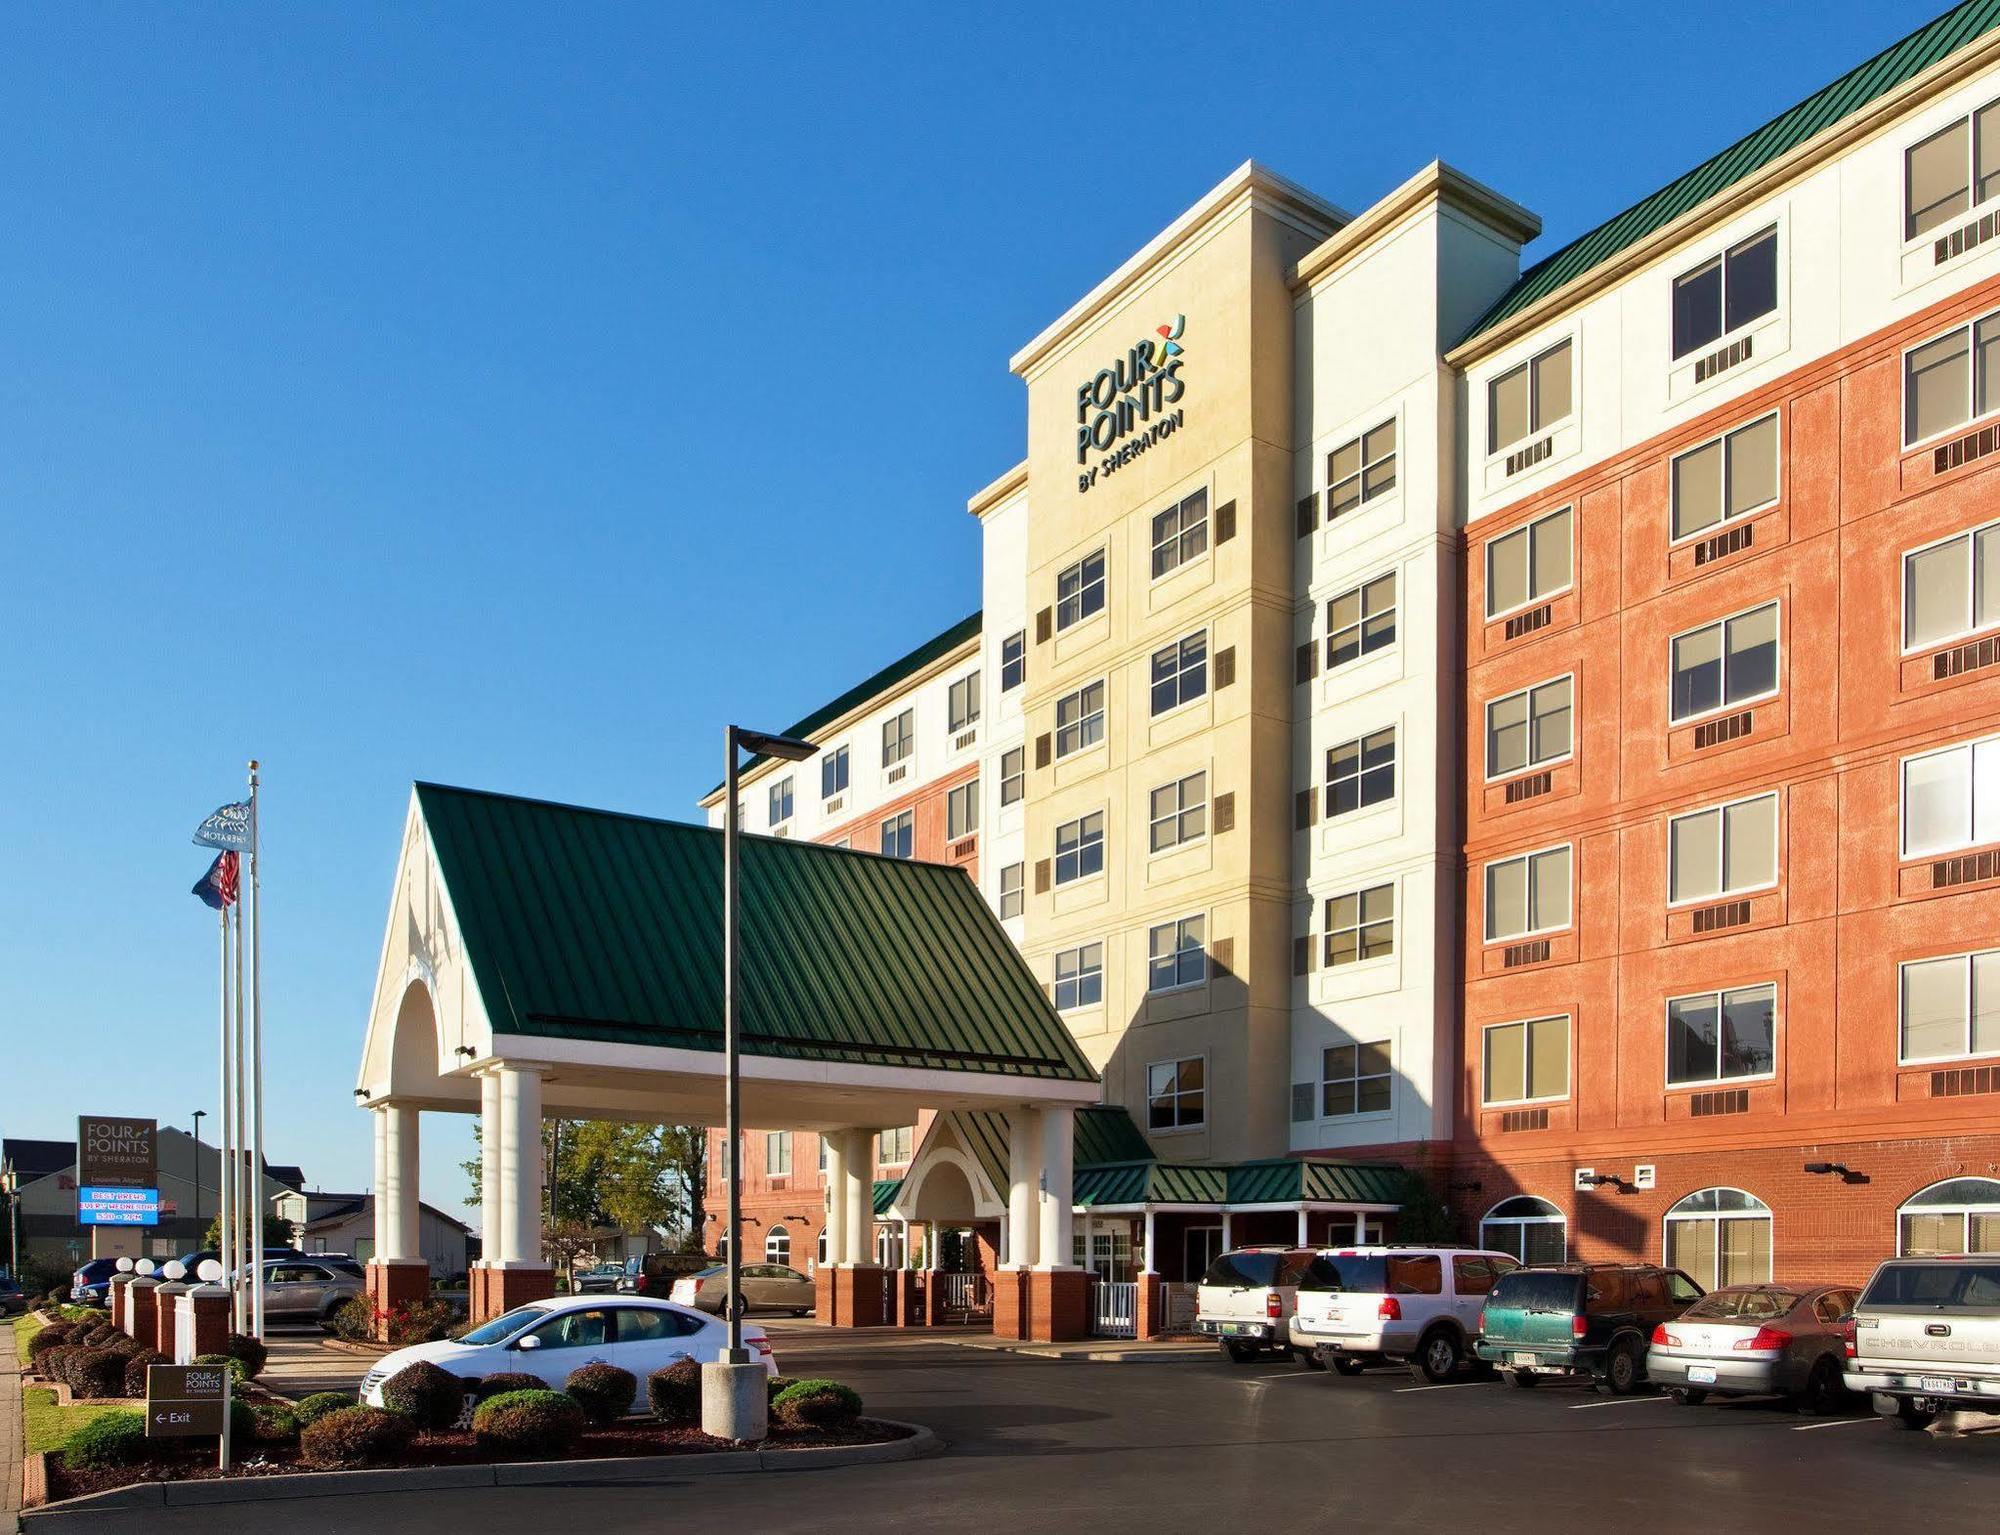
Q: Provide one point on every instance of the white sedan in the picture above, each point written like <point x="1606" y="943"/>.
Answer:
<point x="552" y="1339"/>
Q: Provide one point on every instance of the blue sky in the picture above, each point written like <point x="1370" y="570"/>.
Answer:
<point x="506" y="396"/>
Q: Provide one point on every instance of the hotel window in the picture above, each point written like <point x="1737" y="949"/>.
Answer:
<point x="1720" y="1237"/>
<point x="1726" y="292"/>
<point x="1530" y="564"/>
<point x="1013" y="774"/>
<point x="1729" y="477"/>
<point x="1180" y="534"/>
<point x="1949" y="381"/>
<point x="1361" y="621"/>
<point x="961" y="811"/>
<point x="1013" y="660"/>
<point x="1180" y="673"/>
<point x="1176" y="954"/>
<point x="899" y="836"/>
<point x="1951" y="798"/>
<point x="822" y="1152"/>
<point x="1528" y="728"/>
<point x="962" y="702"/>
<point x="1526" y="1062"/>
<point x="1361" y="772"/>
<point x="1360" y="925"/>
<point x="1178" y="812"/>
<point x="1723" y="850"/>
<point x="1354" y="1079"/>
<point x="833" y="773"/>
<point x="1952" y="171"/>
<point x="1080" y="848"/>
<point x="1951" y="1007"/>
<point x="1720" y="1036"/>
<point x="1528" y="398"/>
<point x="778" y="1154"/>
<point x="1080" y="719"/>
<point x="1175" y="1095"/>
<point x="1958" y="1217"/>
<point x="1529" y="894"/>
<point x="898" y="735"/>
<point x="1079" y="977"/>
<point x="781" y="800"/>
<point x="1361" y="470"/>
<point x="894" y="1146"/>
<point x="1080" y="590"/>
<point x="1952" y="588"/>
<point x="1733" y="661"/>
<point x="1011" y="890"/>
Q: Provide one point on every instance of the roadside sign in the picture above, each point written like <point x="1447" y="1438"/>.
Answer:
<point x="187" y="1401"/>
<point x="115" y="1152"/>
<point x="117" y="1207"/>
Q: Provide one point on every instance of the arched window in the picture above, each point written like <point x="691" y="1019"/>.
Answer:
<point x="819" y="1253"/>
<point x="778" y="1246"/>
<point x="1720" y="1236"/>
<point x="1532" y="1229"/>
<point x="1959" y="1215"/>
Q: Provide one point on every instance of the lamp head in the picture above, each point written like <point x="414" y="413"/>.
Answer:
<point x="790" y="748"/>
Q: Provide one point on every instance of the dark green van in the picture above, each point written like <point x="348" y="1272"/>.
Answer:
<point x="1590" y="1319"/>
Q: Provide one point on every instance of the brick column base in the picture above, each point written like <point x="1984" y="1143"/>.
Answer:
<point x="393" y="1286"/>
<point x="141" y="1321"/>
<point x="1151" y="1312"/>
<point x="1010" y="1304"/>
<point x="1058" y="1305"/>
<point x="114" y="1298"/>
<point x="165" y="1298"/>
<point x="209" y="1308"/>
<point x="496" y="1291"/>
<point x="911" y="1298"/>
<point x="852" y="1297"/>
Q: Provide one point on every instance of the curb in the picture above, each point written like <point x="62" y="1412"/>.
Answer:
<point x="1064" y="1353"/>
<point x="361" y="1350"/>
<point x="569" y="1473"/>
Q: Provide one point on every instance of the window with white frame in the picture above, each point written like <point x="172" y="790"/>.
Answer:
<point x="1354" y="1079"/>
<point x="781" y="800"/>
<point x="1951" y="380"/>
<point x="1361" y="621"/>
<point x="1958" y="1217"/>
<point x="1528" y="728"/>
<point x="898" y="736"/>
<point x="1177" y="954"/>
<point x="1723" y="850"/>
<point x="1079" y="976"/>
<point x="1176" y="1094"/>
<point x="1080" y="848"/>
<point x="1952" y="588"/>
<point x="894" y="1146"/>
<point x="1528" y="894"/>
<point x="961" y="810"/>
<point x="1726" y="292"/>
<point x="1080" y="719"/>
<point x="1950" y="1007"/>
<point x="1951" y="798"/>
<point x="1013" y="774"/>
<point x="1720" y="1237"/>
<point x="1178" y="812"/>
<point x="1080" y="590"/>
<point x="1525" y="1062"/>
<point x="962" y="702"/>
<point x="1180" y="672"/>
<point x="778" y="1246"/>
<point x="1951" y="172"/>
<point x="1531" y="1229"/>
<point x="1528" y="398"/>
<point x="1011" y="890"/>
<point x="899" y="836"/>
<point x="1180" y="534"/>
<point x="1361" y="772"/>
<point x="1359" y="471"/>
<point x="778" y="1153"/>
<point x="1530" y="564"/>
<point x="1730" y="662"/>
<point x="1722" y="1036"/>
<point x="1013" y="660"/>
<point x="833" y="773"/>
<point x="1360" y="925"/>
<point x="1729" y="476"/>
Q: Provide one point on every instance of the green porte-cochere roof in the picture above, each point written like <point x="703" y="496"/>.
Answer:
<point x="587" y="924"/>
<point x="1787" y="131"/>
<point x="1286" y="1181"/>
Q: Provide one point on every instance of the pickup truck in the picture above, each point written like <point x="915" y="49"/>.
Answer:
<point x="1925" y="1338"/>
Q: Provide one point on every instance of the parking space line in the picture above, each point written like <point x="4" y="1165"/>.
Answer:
<point x="1617" y="1401"/>
<point x="1802" y="1428"/>
<point x="1445" y="1385"/>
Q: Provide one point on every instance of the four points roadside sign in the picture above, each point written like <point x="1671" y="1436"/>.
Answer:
<point x="187" y="1401"/>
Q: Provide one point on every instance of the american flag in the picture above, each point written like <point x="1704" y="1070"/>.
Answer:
<point x="217" y="888"/>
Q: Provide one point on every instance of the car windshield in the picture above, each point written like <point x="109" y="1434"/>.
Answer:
<point x="1741" y="1305"/>
<point x="1535" y="1290"/>
<point x="1347" y="1271"/>
<point x="1928" y="1285"/>
<point x="502" y="1328"/>
<point x="1239" y="1271"/>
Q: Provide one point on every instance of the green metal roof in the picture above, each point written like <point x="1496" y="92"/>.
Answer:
<point x="1104" y="1133"/>
<point x="895" y="672"/>
<point x="886" y="1190"/>
<point x="586" y="924"/>
<point x="1784" y="133"/>
<point x="1283" y="1181"/>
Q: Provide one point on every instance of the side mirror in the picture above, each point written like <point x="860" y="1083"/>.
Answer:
<point x="531" y="1341"/>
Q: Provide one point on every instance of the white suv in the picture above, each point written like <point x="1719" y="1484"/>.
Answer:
<point x="1244" y="1301"/>
<point x="1358" y="1306"/>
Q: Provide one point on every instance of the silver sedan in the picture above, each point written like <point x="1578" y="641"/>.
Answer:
<point x="1754" y="1340"/>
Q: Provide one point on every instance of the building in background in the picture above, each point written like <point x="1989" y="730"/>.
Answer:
<point x="345" y="1223"/>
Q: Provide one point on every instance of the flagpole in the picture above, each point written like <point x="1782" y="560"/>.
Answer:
<point x="244" y="1248"/>
<point x="256" y="1065"/>
<point x="225" y="1215"/>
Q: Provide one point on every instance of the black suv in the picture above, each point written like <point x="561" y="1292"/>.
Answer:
<point x="1592" y="1319"/>
<point x="654" y="1273"/>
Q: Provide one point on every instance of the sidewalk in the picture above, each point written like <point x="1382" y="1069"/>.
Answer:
<point x="10" y="1434"/>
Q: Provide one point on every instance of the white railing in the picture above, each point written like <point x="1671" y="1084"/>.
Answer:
<point x="1114" y="1309"/>
<point x="960" y="1297"/>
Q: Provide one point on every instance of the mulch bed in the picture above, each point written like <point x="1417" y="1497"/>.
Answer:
<point x="450" y="1448"/>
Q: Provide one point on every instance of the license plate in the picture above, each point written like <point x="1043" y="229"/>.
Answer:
<point x="1520" y="1359"/>
<point x="1701" y="1374"/>
<point x="1937" y="1383"/>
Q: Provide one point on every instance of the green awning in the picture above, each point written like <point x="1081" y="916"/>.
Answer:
<point x="886" y="1190"/>
<point x="1287" y="1181"/>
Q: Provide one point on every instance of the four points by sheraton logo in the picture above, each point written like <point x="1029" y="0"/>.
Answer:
<point x="1122" y="411"/>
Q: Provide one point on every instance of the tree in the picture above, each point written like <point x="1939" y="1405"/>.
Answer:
<point x="631" y="1177"/>
<point x="1424" y="1218"/>
<point x="277" y="1233"/>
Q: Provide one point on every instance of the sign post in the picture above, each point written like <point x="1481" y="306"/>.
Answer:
<point x="189" y="1401"/>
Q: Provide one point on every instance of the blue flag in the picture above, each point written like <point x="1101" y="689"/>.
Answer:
<point x="228" y="828"/>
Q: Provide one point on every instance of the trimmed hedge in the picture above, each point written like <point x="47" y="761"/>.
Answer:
<point x="95" y="1372"/>
<point x="109" y="1439"/>
<point x="49" y="1337"/>
<point x="533" y="1423"/>
<point x="603" y="1391"/>
<point x="817" y="1404"/>
<point x="224" y="1362"/>
<point x="674" y="1394"/>
<point x="776" y="1383"/>
<point x="309" y="1410"/>
<point x="428" y="1396"/>
<point x="250" y="1353"/>
<point x="509" y="1380"/>
<point x="274" y="1424"/>
<point x="355" y="1436"/>
<point x="136" y="1366"/>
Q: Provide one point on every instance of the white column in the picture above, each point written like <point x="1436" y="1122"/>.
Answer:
<point x="384" y="1240"/>
<point x="860" y="1197"/>
<point x="1089" y="1246"/>
<point x="396" y="1202"/>
<point x="835" y="1142"/>
<point x="520" y="1167"/>
<point x="1360" y="1228"/>
<point x="906" y="1263"/>
<point x="1024" y="1171"/>
<point x="1149" y="1266"/>
<point x="1006" y="1258"/>
<point x="1059" y="1192"/>
<point x="1302" y="1225"/>
<point x="490" y="1199"/>
<point x="1226" y="1243"/>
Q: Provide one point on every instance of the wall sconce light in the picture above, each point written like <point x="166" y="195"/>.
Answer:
<point x="1840" y="1170"/>
<point x="361" y="1092"/>
<point x="465" y="1050"/>
<point x="1598" y="1180"/>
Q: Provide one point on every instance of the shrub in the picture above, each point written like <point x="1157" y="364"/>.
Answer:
<point x="426" y="1395"/>
<point x="535" y="1423"/>
<point x="355" y="1436"/>
<point x="354" y="1321"/>
<point x="777" y="1383"/>
<point x="51" y="1363"/>
<point x="423" y="1321"/>
<point x="124" y="1347"/>
<point x="109" y="1439"/>
<point x="223" y="1361"/>
<point x="49" y="1337"/>
<point x="274" y="1424"/>
<point x="136" y="1366"/>
<point x="96" y="1372"/>
<point x="817" y="1404"/>
<point x="674" y="1394"/>
<point x="509" y="1380"/>
<point x="249" y="1352"/>
<point x="309" y="1410"/>
<point x="603" y="1391"/>
<point x="242" y="1420"/>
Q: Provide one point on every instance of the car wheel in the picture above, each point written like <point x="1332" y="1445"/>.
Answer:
<point x="1621" y="1370"/>
<point x="1308" y="1359"/>
<point x="1909" y="1415"/>
<point x="1437" y="1356"/>
<point x="1348" y="1366"/>
<point x="1239" y="1352"/>
<point x="1520" y="1379"/>
<point x="1824" y="1393"/>
<point x="1688" y="1396"/>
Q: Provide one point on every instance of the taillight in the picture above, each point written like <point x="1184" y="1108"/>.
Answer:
<point x="762" y="1345"/>
<point x="1274" y="1306"/>
<point x="639" y="1285"/>
<point x="1664" y="1338"/>
<point x="1847" y="1339"/>
<point x="1482" y="1321"/>
<point x="1390" y="1310"/>
<point x="1766" y="1338"/>
<point x="1578" y="1326"/>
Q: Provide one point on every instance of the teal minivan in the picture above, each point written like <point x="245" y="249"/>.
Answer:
<point x="1590" y="1319"/>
